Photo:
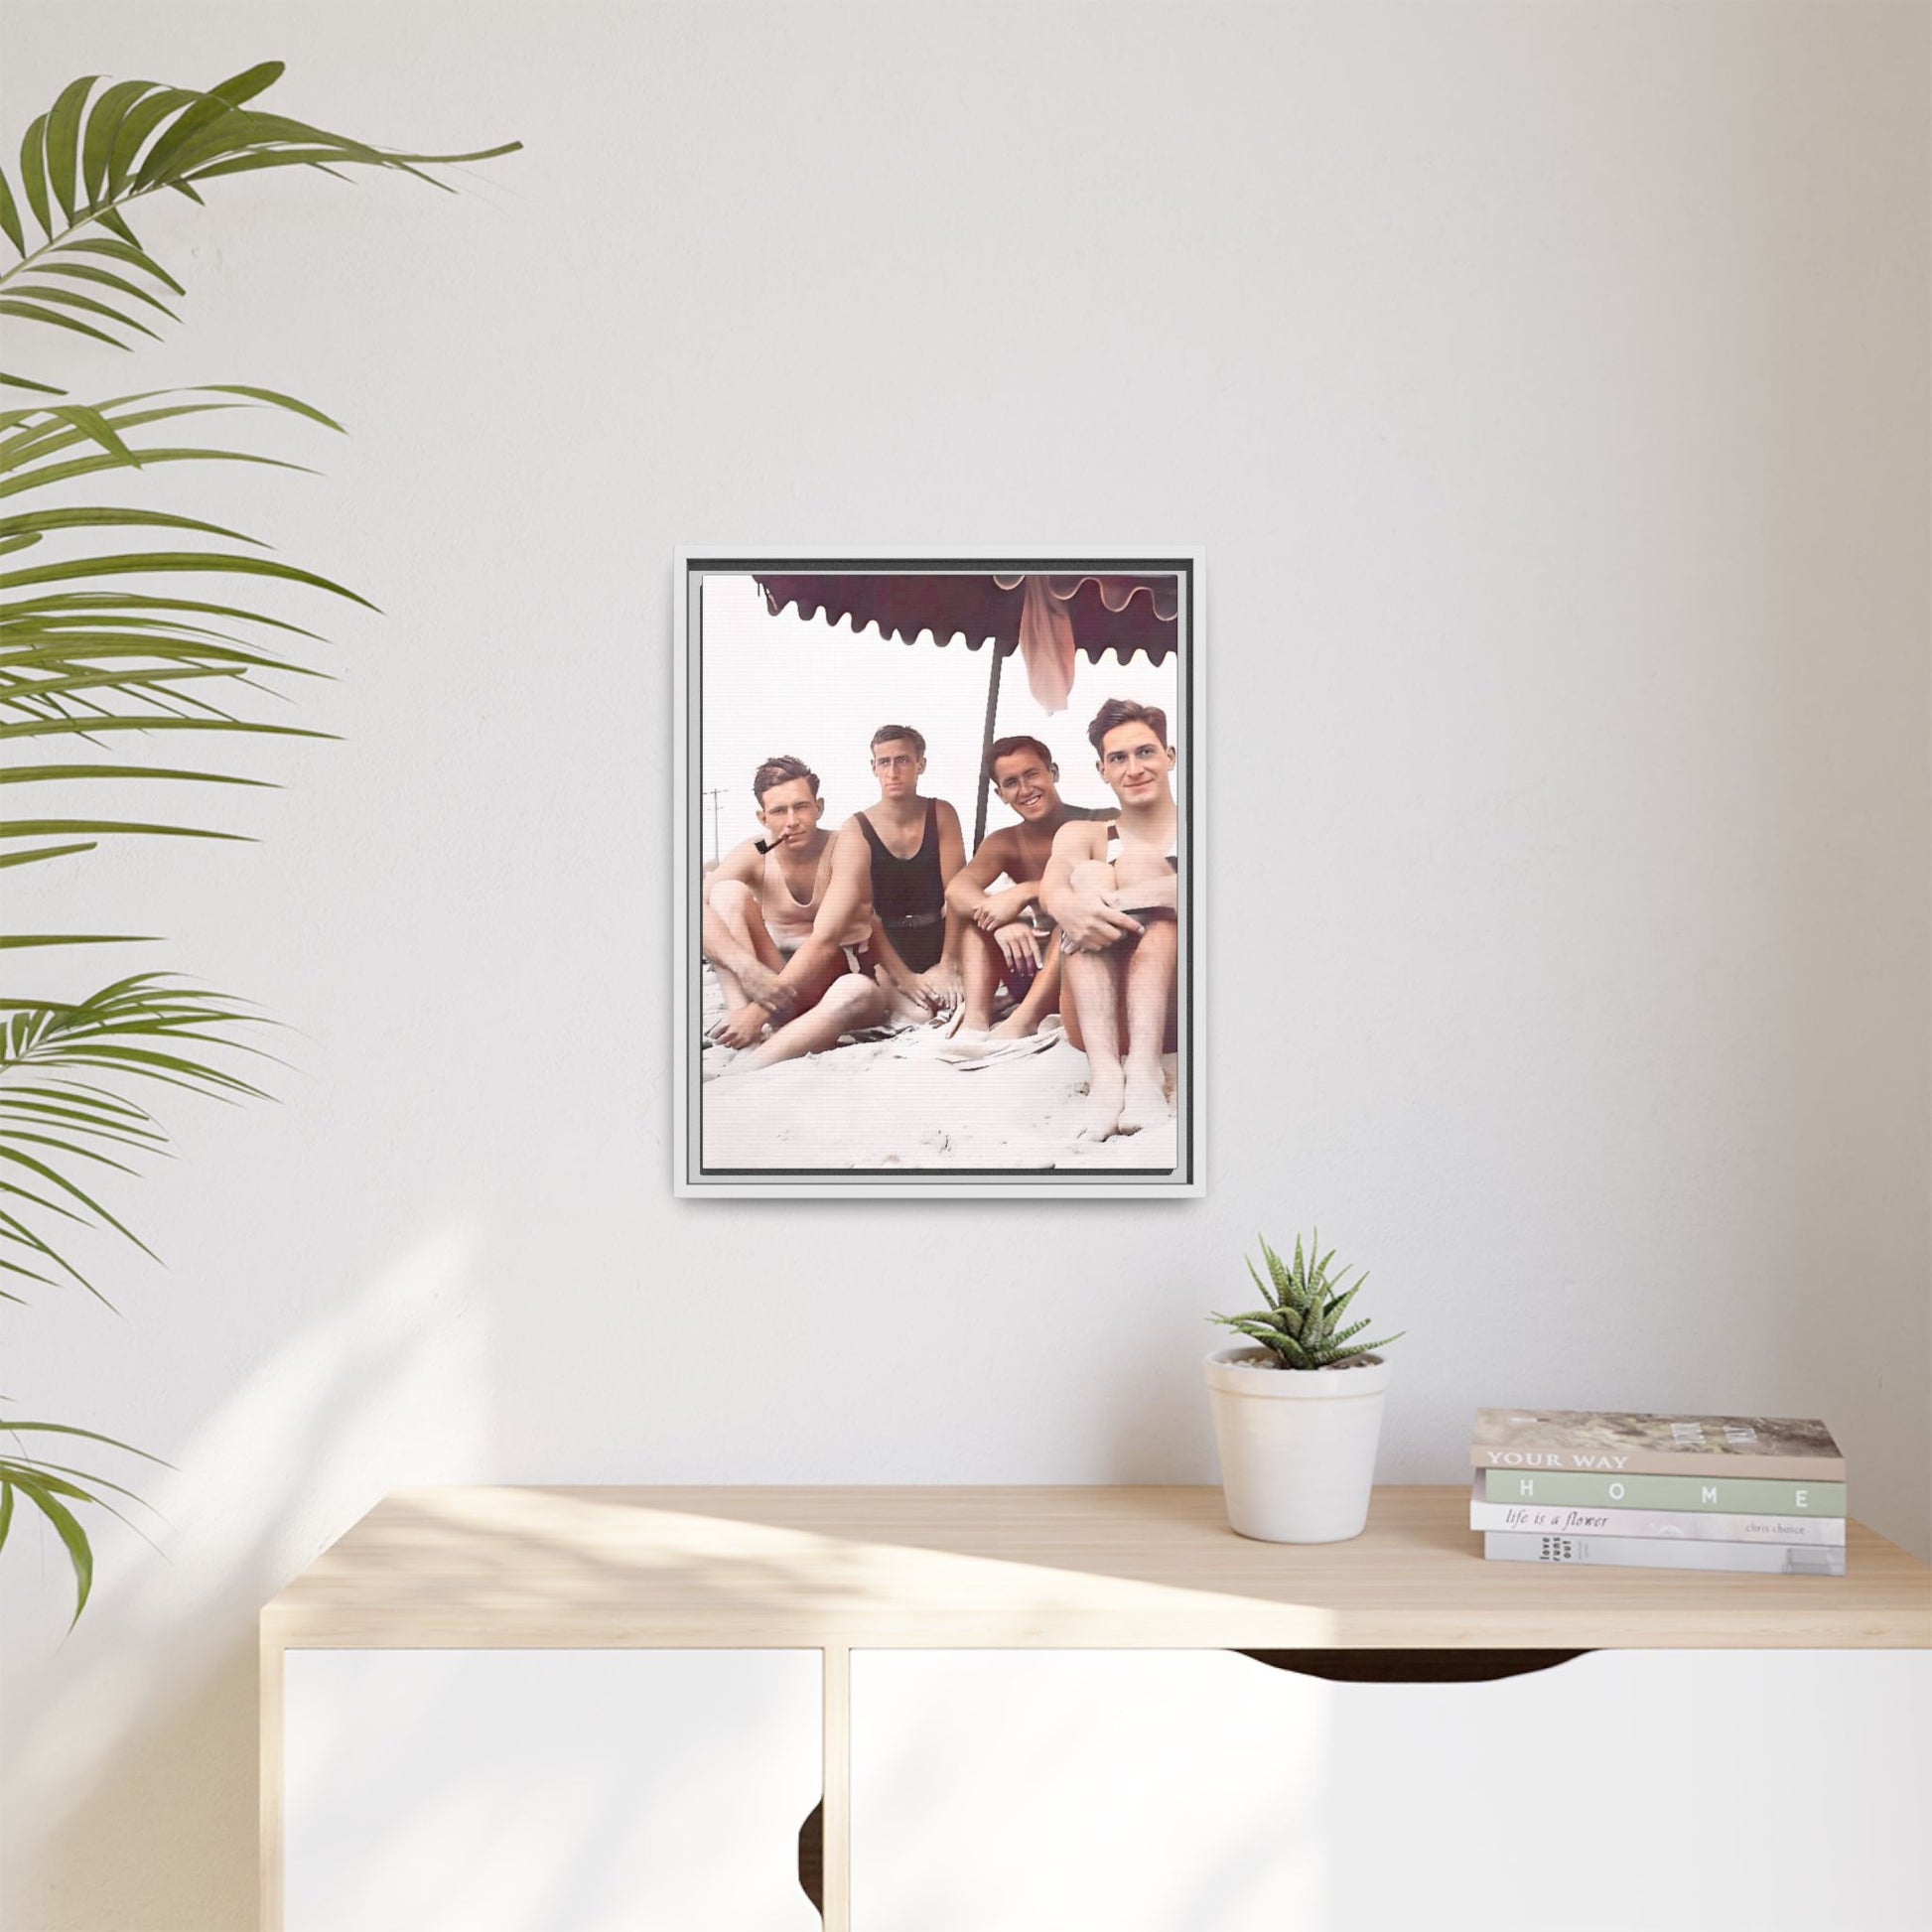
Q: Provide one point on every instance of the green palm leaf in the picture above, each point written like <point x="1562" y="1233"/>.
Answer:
<point x="67" y="774"/>
<point x="40" y="522"/>
<point x="25" y="292"/>
<point x="32" y="312"/>
<point x="64" y="142"/>
<point x="155" y="562"/>
<point x="96" y="643"/>
<point x="10" y="222"/>
<point x="80" y="657"/>
<point x="122" y="251"/>
<point x="41" y="853"/>
<point x="39" y="1489"/>
<point x="104" y="120"/>
<point x="146" y="1027"/>
<point x="33" y="173"/>
<point x="51" y="1487"/>
<point x="82" y="166"/>
<point x="23" y="941"/>
<point x="105" y="278"/>
<point x="88" y="465"/>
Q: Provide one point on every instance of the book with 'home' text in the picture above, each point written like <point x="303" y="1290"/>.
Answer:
<point x="1742" y="1495"/>
<point x="1681" y="1525"/>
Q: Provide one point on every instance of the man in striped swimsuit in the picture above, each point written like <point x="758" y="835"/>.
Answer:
<point x="1114" y="888"/>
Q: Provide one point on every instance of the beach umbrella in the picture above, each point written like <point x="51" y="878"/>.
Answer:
<point x="1050" y="620"/>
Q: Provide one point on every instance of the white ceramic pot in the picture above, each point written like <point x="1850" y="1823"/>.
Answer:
<point x="1298" y="1445"/>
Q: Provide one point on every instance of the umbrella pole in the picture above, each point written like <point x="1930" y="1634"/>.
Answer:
<point x="986" y="745"/>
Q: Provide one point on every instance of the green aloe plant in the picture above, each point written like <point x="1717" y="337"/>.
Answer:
<point x="1302" y="1322"/>
<point x="108" y="651"/>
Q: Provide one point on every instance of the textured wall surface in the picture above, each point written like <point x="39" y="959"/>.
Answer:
<point x="1547" y="389"/>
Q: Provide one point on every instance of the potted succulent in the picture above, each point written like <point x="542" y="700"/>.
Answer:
<point x="1298" y="1414"/>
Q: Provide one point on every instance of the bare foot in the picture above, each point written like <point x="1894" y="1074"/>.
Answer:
<point x="1146" y="1104"/>
<point x="1106" y="1089"/>
<point x="967" y="1043"/>
<point x="1012" y="1027"/>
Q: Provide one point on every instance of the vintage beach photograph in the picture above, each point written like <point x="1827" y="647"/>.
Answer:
<point x="938" y="877"/>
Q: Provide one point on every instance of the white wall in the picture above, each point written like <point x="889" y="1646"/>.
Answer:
<point x="1548" y="386"/>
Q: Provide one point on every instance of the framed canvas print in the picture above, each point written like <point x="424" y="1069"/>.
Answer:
<point x="939" y="870"/>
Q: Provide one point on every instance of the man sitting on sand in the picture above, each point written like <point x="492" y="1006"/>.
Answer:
<point x="914" y="847"/>
<point x="1113" y="885"/>
<point x="1015" y="943"/>
<point x="786" y="921"/>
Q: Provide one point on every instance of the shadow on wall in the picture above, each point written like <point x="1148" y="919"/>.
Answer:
<point x="140" y="1811"/>
<point x="164" y="1838"/>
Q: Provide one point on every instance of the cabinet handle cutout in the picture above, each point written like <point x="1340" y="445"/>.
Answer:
<point x="1413" y="1666"/>
<point x="811" y="1857"/>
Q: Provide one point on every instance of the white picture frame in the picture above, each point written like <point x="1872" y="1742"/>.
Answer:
<point x="1071" y="1166"/>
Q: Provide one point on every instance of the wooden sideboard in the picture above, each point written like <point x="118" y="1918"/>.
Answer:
<point x="839" y="1571"/>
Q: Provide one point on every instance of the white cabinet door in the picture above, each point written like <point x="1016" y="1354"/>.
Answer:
<point x="1199" y="1791"/>
<point x="538" y="1790"/>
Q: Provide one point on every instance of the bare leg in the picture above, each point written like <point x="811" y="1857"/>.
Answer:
<point x="1090" y="1002"/>
<point x="982" y="974"/>
<point x="850" y="1001"/>
<point x="1088" y="873"/>
<point x="1149" y="999"/>
<point x="738" y="908"/>
<point x="1093" y="989"/>
<point x="1148" y="995"/>
<point x="1043" y="996"/>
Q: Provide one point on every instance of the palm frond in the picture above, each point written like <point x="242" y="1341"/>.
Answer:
<point x="54" y="1487"/>
<point x="97" y="642"/>
<point x="94" y="154"/>
<point x="97" y="645"/>
<point x="144" y="1028"/>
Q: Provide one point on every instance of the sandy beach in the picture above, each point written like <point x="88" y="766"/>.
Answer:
<point x="893" y="1103"/>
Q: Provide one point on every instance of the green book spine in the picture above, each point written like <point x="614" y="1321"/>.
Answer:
<point x="1751" y="1495"/>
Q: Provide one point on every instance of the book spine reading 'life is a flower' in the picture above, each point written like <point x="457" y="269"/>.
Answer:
<point x="1684" y="1525"/>
<point x="1740" y="1495"/>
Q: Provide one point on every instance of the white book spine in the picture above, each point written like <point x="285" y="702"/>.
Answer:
<point x="1667" y="1525"/>
<point x="1646" y="1553"/>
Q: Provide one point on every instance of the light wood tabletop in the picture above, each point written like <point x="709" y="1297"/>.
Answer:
<point x="1047" y="1567"/>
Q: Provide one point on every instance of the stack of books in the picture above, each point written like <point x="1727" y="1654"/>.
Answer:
<point x="1662" y="1492"/>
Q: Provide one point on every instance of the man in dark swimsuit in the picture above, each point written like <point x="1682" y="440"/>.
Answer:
<point x="914" y="844"/>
